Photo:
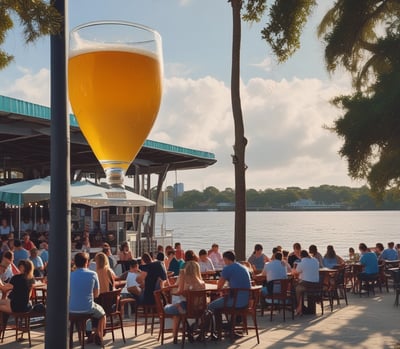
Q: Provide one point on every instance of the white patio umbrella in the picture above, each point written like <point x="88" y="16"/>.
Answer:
<point x="83" y="192"/>
<point x="27" y="191"/>
<point x="93" y="195"/>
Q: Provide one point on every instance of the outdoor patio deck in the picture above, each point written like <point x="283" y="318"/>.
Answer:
<point x="365" y="323"/>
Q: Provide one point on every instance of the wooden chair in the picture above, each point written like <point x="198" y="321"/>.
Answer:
<point x="384" y="275"/>
<point x="196" y="306"/>
<point x="22" y="325"/>
<point x="315" y="294"/>
<point x="128" y="301"/>
<point x="328" y="286"/>
<point x="110" y="303"/>
<point x="79" y="320"/>
<point x="396" y="285"/>
<point x="148" y="312"/>
<point x="338" y="286"/>
<point x="232" y="312"/>
<point x="388" y="276"/>
<point x="368" y="283"/>
<point x="161" y="298"/>
<point x="281" y="297"/>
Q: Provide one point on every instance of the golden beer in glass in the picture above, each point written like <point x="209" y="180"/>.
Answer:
<point x="115" y="86"/>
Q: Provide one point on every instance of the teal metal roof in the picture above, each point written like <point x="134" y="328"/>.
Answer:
<point x="16" y="106"/>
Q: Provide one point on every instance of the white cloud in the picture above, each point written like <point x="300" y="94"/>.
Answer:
<point x="184" y="2"/>
<point x="288" y="145"/>
<point x="283" y="122"/>
<point x="31" y="87"/>
<point x="177" y="70"/>
<point x="266" y="64"/>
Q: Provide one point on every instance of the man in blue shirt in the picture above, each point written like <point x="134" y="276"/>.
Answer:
<point x="238" y="277"/>
<point x="19" y="252"/>
<point x="389" y="254"/>
<point x="84" y="288"/>
<point x="369" y="261"/>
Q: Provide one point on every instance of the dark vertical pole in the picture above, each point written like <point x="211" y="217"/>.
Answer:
<point x="60" y="207"/>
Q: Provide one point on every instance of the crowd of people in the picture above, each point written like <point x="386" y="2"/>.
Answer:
<point x="22" y="261"/>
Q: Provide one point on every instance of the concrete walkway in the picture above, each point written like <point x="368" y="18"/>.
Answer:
<point x="367" y="322"/>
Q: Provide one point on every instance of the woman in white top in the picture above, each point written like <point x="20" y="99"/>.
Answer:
<point x="308" y="273"/>
<point x="134" y="281"/>
<point x="189" y="279"/>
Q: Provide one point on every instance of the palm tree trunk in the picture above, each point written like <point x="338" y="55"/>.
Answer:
<point x="240" y="141"/>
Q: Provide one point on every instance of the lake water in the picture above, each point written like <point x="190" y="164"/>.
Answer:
<point x="342" y="229"/>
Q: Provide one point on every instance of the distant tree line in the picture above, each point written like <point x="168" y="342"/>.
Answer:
<point x="280" y="199"/>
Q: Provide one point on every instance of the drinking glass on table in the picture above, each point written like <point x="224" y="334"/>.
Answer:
<point x="115" y="84"/>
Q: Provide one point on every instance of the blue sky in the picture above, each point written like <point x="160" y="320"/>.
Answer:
<point x="285" y="106"/>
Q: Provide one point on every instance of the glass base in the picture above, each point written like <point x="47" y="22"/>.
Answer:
<point x="115" y="177"/>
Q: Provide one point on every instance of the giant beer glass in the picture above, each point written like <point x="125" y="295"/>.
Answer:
<point x="115" y="84"/>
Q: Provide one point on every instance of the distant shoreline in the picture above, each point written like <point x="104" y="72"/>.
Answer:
<point x="280" y="210"/>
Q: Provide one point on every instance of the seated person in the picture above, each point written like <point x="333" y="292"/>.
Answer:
<point x="307" y="270"/>
<point x="216" y="257"/>
<point x="84" y="288"/>
<point x="20" y="287"/>
<point x="237" y="276"/>
<point x="174" y="265"/>
<point x="134" y="284"/>
<point x="104" y="273"/>
<point x="205" y="263"/>
<point x="19" y="252"/>
<point x="258" y="258"/>
<point x="331" y="259"/>
<point x="37" y="263"/>
<point x="133" y="281"/>
<point x="273" y="270"/>
<point x="295" y="255"/>
<point x="27" y="242"/>
<point x="154" y="275"/>
<point x="370" y="262"/>
<point x="389" y="254"/>
<point x="353" y="256"/>
<point x="313" y="251"/>
<point x="190" y="279"/>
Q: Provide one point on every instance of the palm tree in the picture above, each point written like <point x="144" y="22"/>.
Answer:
<point x="238" y="158"/>
<point x="287" y="18"/>
<point x="364" y="38"/>
<point x="352" y="31"/>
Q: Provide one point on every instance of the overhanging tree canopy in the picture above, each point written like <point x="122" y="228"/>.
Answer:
<point x="37" y="18"/>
